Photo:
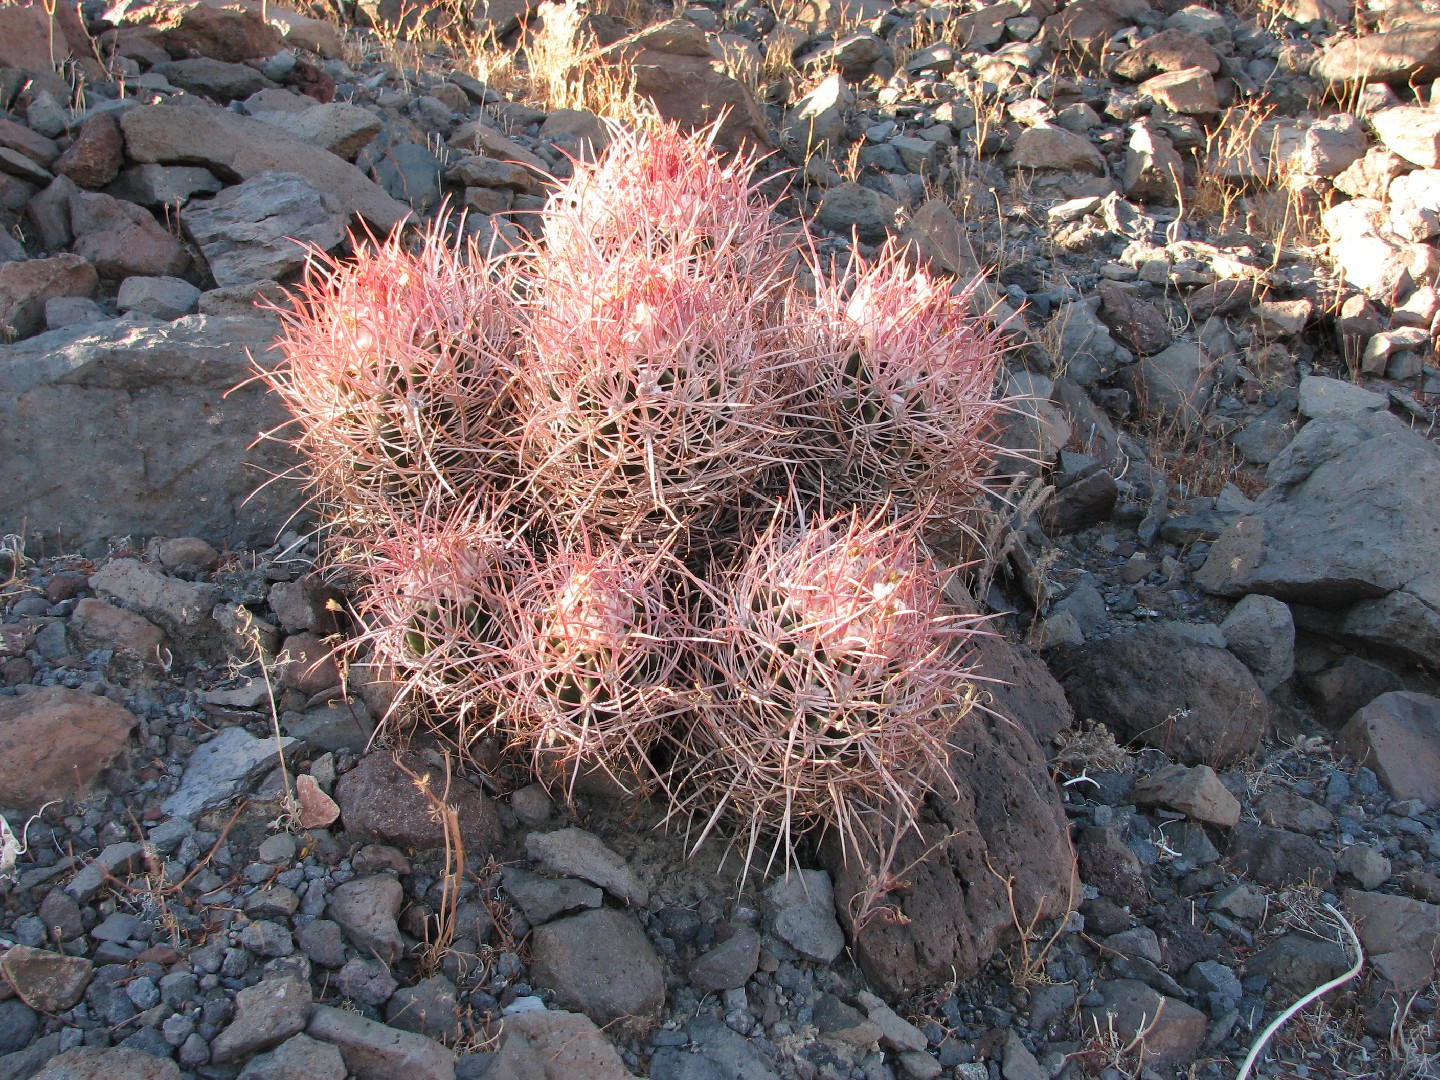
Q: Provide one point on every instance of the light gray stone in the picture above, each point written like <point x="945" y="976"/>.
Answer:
<point x="366" y="909"/>
<point x="802" y="907"/>
<point x="166" y="298"/>
<point x="221" y="769"/>
<point x="576" y="853"/>
<point x="263" y="229"/>
<point x="145" y="467"/>
<point x="1261" y="632"/>
<point x="379" y="1052"/>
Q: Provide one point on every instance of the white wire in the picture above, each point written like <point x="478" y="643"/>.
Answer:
<point x="1319" y="991"/>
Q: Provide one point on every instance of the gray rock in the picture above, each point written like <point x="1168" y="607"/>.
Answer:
<point x="378" y="1052"/>
<point x="1261" y="632"/>
<point x="427" y="1008"/>
<point x="366" y="909"/>
<point x="1174" y="383"/>
<point x="407" y="170"/>
<point x="157" y="186"/>
<point x="145" y="467"/>
<point x="1089" y="351"/>
<point x="63" y="311"/>
<point x="264" y="228"/>
<point x="1330" y="399"/>
<point x="602" y="964"/>
<point x="1365" y="864"/>
<point x="323" y="943"/>
<point x="1174" y="1030"/>
<point x="896" y="1032"/>
<point x="543" y="899"/>
<point x="221" y="769"/>
<point x="1153" y="169"/>
<point x="802" y="912"/>
<point x="116" y="860"/>
<point x="1346" y="525"/>
<point x="265" y="1014"/>
<point x="115" y="1063"/>
<point x="224" y="82"/>
<point x="728" y="965"/>
<point x="366" y="982"/>
<point x="733" y="1056"/>
<point x="1297" y="963"/>
<point x="338" y="724"/>
<point x="339" y="127"/>
<point x="164" y="298"/>
<point x="818" y="118"/>
<point x="1044" y="147"/>
<point x="849" y="208"/>
<point x="576" y="853"/>
<point x="1280" y="858"/>
<point x="297" y="1058"/>
<point x="556" y="1046"/>
<point x="191" y="134"/>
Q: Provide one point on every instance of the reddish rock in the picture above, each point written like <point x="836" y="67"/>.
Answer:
<point x="1169" y="50"/>
<point x="1398" y="736"/>
<point x="121" y="239"/>
<point x="379" y="801"/>
<point x="27" y="284"/>
<point x="221" y="33"/>
<point x="1003" y="818"/>
<point x="33" y="145"/>
<point x="30" y="42"/>
<point x="95" y="157"/>
<point x="676" y="67"/>
<point x="46" y="981"/>
<point x="307" y="664"/>
<point x="1023" y="690"/>
<point x="107" y="626"/>
<point x="54" y="742"/>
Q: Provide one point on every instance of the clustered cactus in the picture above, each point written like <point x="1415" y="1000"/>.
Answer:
<point x="647" y="499"/>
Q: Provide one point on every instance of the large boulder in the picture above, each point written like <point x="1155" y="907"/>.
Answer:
<point x="1001" y="820"/>
<point x="239" y="148"/>
<point x="1401" y="56"/>
<point x="676" y="66"/>
<point x="1157" y="687"/>
<point x="167" y="447"/>
<point x="1347" y="526"/>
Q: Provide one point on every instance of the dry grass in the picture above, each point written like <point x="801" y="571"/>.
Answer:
<point x="440" y="929"/>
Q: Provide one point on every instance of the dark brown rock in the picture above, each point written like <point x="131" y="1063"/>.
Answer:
<point x="1023" y="691"/>
<point x="54" y="742"/>
<point x="95" y="157"/>
<point x="307" y="664"/>
<point x="1135" y="322"/>
<point x="1004" y="820"/>
<point x="1338" y="691"/>
<point x="1079" y="505"/>
<point x="379" y="801"/>
<point x="1279" y="858"/>
<point x="1158" y="688"/>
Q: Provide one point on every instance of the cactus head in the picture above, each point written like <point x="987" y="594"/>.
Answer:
<point x="837" y="675"/>
<point x="398" y="367"/>
<point x="905" y="385"/>
<point x="599" y="661"/>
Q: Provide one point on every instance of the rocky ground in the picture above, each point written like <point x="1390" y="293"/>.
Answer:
<point x="1213" y="231"/>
